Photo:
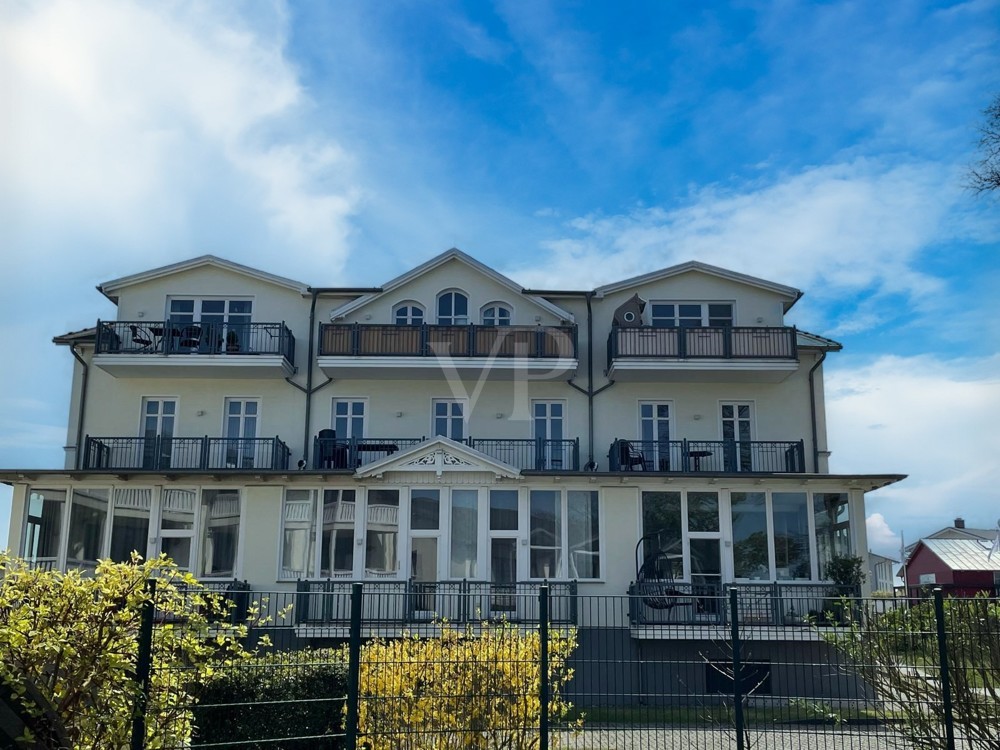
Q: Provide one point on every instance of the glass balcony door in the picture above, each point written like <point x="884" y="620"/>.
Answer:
<point x="158" y="415"/>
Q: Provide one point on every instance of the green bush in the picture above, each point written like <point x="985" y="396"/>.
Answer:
<point x="69" y="649"/>
<point x="294" y="694"/>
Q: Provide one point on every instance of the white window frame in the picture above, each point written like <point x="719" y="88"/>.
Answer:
<point x="361" y="500"/>
<point x="687" y="535"/>
<point x="363" y="400"/>
<point x="562" y="574"/>
<point x="498" y="321"/>
<point x="771" y="552"/>
<point x="676" y="319"/>
<point x="155" y="534"/>
<point x="453" y="319"/>
<point x="200" y="299"/>
<point x="242" y="415"/>
<point x="411" y="305"/>
<point x="465" y="416"/>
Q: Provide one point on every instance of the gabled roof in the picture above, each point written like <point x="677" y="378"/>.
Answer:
<point x="439" y="454"/>
<point x="962" y="554"/>
<point x="110" y="288"/>
<point x="791" y="293"/>
<point x="439" y="260"/>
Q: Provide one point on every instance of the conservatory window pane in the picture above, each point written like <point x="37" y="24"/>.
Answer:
<point x="43" y="527"/>
<point x="791" y="535"/>
<point x="583" y="531"/>
<point x="88" y="520"/>
<point x="220" y="531"/>
<point x="750" y="543"/>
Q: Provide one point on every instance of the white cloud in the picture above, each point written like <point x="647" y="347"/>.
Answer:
<point x="927" y="417"/>
<point x="844" y="227"/>
<point x="126" y="117"/>
<point x="882" y="539"/>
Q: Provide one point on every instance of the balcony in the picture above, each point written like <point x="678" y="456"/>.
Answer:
<point x="184" y="453"/>
<point x="709" y="456"/>
<point x="708" y="354"/>
<point x="661" y="609"/>
<point x="164" y="349"/>
<point x="425" y="351"/>
<point x="526" y="454"/>
<point x="403" y="602"/>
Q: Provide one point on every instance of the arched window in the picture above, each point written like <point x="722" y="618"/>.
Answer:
<point x="453" y="309"/>
<point x="496" y="314"/>
<point x="408" y="314"/>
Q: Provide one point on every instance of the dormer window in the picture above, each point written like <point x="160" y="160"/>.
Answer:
<point x="453" y="309"/>
<point x="691" y="314"/>
<point x="408" y="314"/>
<point x="496" y="314"/>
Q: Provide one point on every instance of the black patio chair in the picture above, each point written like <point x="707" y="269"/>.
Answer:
<point x="629" y="457"/>
<point x="142" y="338"/>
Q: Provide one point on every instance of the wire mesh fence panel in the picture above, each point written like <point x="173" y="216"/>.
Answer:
<point x="818" y="671"/>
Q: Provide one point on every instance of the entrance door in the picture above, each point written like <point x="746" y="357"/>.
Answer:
<point x="425" y="528"/>
<point x="737" y="432"/>
<point x="157" y="432"/>
<point x="503" y="531"/>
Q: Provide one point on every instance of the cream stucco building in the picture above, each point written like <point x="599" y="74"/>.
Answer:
<point x="451" y="431"/>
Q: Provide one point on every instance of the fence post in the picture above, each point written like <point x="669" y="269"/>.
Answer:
<point x="734" y="615"/>
<point x="949" y="719"/>
<point x="143" y="668"/>
<point x="354" y="669"/>
<point x="543" y="677"/>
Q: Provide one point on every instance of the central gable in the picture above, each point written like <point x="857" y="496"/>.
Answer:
<point x="453" y="270"/>
<point x="437" y="457"/>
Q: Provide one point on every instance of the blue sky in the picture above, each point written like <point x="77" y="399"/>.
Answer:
<point x="821" y="145"/>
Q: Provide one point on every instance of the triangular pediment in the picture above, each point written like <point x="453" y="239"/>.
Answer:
<point x="439" y="455"/>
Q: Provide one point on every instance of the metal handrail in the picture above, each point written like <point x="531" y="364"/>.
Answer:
<point x="161" y="453"/>
<point x="425" y="340"/>
<point x="719" y="456"/>
<point x="703" y="342"/>
<point x="166" y="337"/>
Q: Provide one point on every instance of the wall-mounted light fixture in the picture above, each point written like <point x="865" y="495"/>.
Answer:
<point x="399" y="413"/>
<point x="200" y="413"/>
<point x="499" y="415"/>
<point x="696" y="417"/>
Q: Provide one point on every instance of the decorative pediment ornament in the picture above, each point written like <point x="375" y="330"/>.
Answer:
<point x="439" y="454"/>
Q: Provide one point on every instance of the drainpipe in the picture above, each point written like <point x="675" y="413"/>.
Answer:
<point x="309" y="390"/>
<point x="589" y="392"/>
<point x="812" y="410"/>
<point x="83" y="405"/>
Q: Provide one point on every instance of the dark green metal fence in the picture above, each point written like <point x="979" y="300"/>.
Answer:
<point x="865" y="673"/>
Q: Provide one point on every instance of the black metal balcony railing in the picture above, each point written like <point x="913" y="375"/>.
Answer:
<point x="406" y="601"/>
<point x="162" y="453"/>
<point x="504" y="342"/>
<point x="166" y="337"/>
<point x="753" y="456"/>
<point x="710" y="342"/>
<point x="523" y="453"/>
<point x="785" y="603"/>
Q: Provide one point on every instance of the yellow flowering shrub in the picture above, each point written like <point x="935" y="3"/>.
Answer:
<point x="475" y="688"/>
<point x="69" y="646"/>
